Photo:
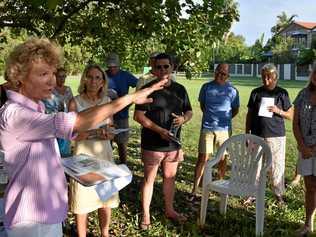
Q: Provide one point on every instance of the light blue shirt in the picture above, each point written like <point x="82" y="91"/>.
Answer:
<point x="121" y="83"/>
<point x="218" y="102"/>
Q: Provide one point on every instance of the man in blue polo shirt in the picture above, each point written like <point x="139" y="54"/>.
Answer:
<point x="120" y="81"/>
<point x="219" y="102"/>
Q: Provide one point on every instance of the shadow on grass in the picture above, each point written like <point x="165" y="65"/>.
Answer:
<point x="239" y="220"/>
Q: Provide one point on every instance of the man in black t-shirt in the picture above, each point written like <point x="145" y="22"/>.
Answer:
<point x="268" y="106"/>
<point x="169" y="110"/>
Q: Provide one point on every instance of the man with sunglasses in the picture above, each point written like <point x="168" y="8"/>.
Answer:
<point x="219" y="102"/>
<point x="170" y="108"/>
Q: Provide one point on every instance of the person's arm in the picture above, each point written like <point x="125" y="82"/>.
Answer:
<point x="140" y="117"/>
<point x="202" y="107"/>
<point x="181" y="119"/>
<point x="288" y="114"/>
<point x="305" y="150"/>
<point x="73" y="108"/>
<point x="235" y="103"/>
<point x="248" y="121"/>
<point x="90" y="118"/>
<point x="235" y="111"/>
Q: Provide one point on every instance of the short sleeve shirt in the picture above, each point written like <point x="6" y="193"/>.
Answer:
<point x="171" y="99"/>
<point x="121" y="83"/>
<point x="265" y="126"/>
<point x="218" y="101"/>
<point x="307" y="116"/>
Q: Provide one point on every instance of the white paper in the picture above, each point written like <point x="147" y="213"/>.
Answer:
<point x="107" y="189"/>
<point x="82" y="164"/>
<point x="116" y="176"/>
<point x="265" y="103"/>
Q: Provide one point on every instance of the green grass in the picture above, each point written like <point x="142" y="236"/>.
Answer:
<point x="240" y="220"/>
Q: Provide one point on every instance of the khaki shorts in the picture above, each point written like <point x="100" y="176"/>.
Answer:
<point x="121" y="138"/>
<point x="210" y="141"/>
<point x="156" y="157"/>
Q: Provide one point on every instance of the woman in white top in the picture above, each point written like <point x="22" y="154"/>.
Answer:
<point x="95" y="142"/>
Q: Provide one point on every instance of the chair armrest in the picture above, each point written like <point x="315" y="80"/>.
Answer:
<point x="207" y="176"/>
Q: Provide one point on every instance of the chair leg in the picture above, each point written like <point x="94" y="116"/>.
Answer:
<point x="204" y="202"/>
<point x="312" y="223"/>
<point x="260" y="212"/>
<point x="223" y="203"/>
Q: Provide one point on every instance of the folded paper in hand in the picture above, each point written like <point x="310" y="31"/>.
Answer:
<point x="266" y="102"/>
<point x="107" y="177"/>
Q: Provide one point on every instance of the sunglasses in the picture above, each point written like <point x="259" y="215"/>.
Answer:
<point x="166" y="66"/>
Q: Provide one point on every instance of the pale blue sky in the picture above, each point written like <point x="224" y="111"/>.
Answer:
<point x="258" y="16"/>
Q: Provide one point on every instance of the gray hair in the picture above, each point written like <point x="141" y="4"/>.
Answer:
<point x="270" y="68"/>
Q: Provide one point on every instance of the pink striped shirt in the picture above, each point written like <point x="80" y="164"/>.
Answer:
<point x="37" y="190"/>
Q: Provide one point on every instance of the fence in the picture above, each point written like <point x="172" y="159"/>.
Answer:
<point x="286" y="71"/>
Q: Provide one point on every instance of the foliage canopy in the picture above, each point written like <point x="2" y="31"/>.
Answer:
<point x="131" y="28"/>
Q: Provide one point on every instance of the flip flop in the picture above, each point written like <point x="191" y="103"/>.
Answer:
<point x="144" y="226"/>
<point x="191" y="197"/>
<point x="249" y="201"/>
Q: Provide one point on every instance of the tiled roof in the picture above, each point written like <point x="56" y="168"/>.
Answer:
<point x="307" y="25"/>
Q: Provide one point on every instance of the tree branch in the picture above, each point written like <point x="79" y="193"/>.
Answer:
<point x="20" y="25"/>
<point x="74" y="11"/>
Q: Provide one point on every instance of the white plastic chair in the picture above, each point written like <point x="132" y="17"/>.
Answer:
<point x="250" y="157"/>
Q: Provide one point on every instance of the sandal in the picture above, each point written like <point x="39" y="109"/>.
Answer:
<point x="144" y="226"/>
<point x="179" y="218"/>
<point x="249" y="201"/>
<point x="192" y="198"/>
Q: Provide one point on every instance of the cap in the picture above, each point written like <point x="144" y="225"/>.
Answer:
<point x="113" y="60"/>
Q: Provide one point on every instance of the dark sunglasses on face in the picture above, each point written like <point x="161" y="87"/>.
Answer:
<point x="166" y="66"/>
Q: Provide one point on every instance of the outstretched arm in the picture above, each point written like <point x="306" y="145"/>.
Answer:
<point x="92" y="117"/>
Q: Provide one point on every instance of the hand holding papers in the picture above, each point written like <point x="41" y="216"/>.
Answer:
<point x="266" y="102"/>
<point x="98" y="134"/>
<point x="107" y="177"/>
<point x="173" y="132"/>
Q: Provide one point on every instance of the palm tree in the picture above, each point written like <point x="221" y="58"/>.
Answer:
<point x="282" y="21"/>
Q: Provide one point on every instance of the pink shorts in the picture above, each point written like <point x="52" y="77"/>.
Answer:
<point x="156" y="157"/>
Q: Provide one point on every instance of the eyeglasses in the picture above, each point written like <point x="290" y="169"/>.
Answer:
<point x="165" y="66"/>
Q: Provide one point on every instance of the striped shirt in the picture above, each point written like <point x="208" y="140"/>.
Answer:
<point x="37" y="190"/>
